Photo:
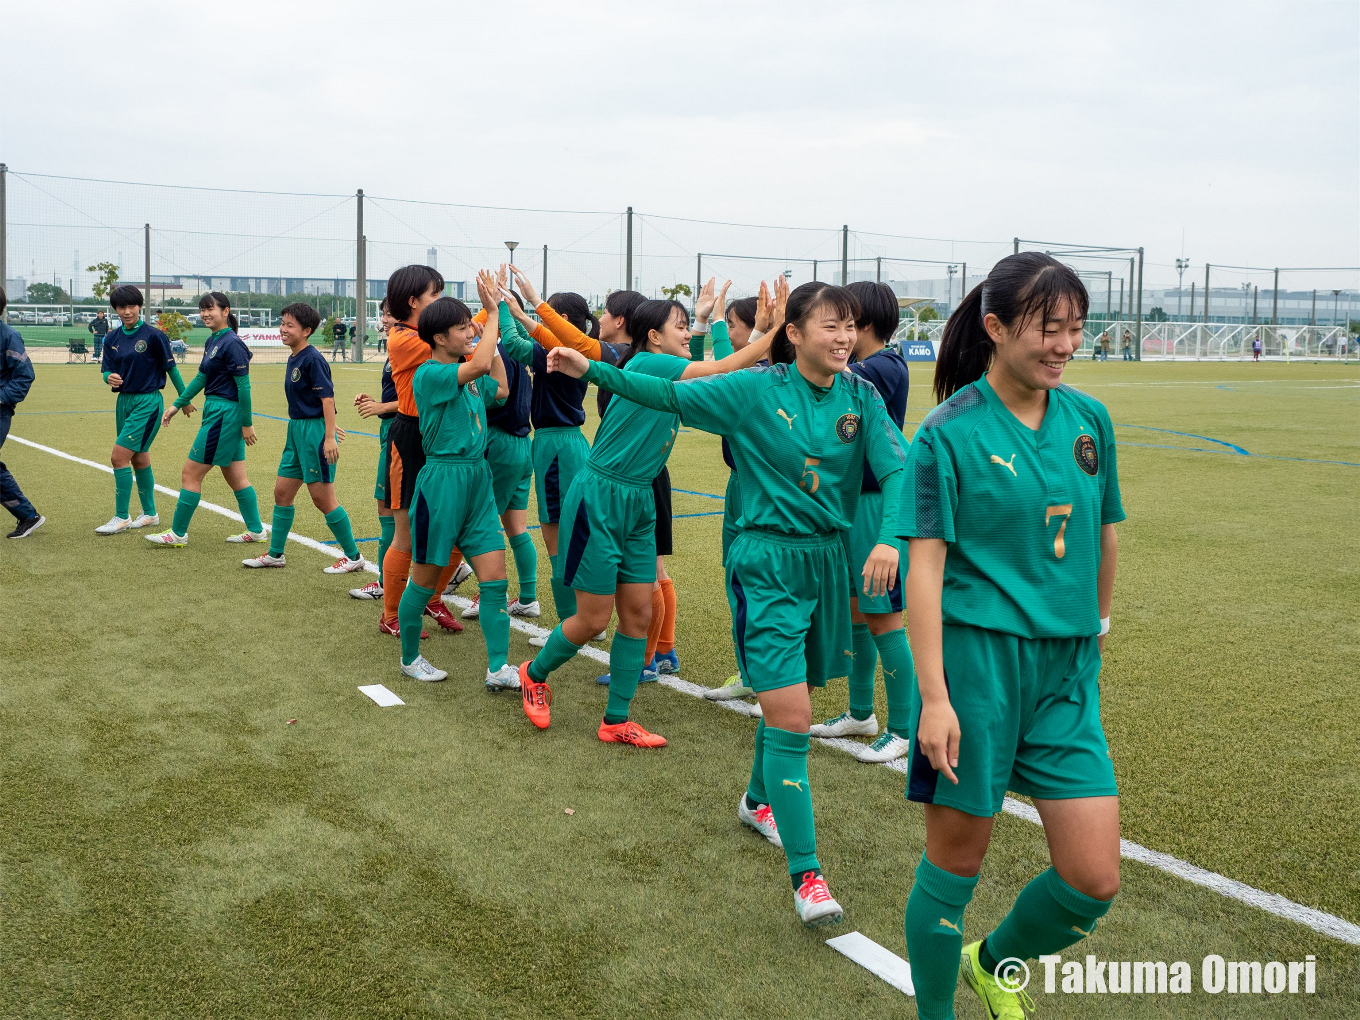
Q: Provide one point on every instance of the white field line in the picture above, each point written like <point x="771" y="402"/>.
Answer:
<point x="1272" y="903"/>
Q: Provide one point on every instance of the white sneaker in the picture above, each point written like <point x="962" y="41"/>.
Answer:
<point x="248" y="536"/>
<point x="761" y="819"/>
<point x="474" y="610"/>
<point x="422" y="670"/>
<point x="146" y="521"/>
<point x="344" y="565"/>
<point x="846" y="725"/>
<point x="888" y="747"/>
<point x="265" y="561"/>
<point x="167" y="538"/>
<point x="115" y="525"/>
<point x="538" y="642"/>
<point x="600" y="636"/>
<point x="814" y="903"/>
<point x="530" y="609"/>
<point x="735" y="687"/>
<point x="372" y="590"/>
<point x="459" y="576"/>
<point x="504" y="679"/>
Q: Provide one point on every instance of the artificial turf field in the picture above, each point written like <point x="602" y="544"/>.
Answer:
<point x="174" y="847"/>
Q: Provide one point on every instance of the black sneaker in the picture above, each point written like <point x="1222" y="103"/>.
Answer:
<point x="26" y="528"/>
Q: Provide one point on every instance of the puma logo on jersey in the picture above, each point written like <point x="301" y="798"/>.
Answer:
<point x="797" y="784"/>
<point x="949" y="924"/>
<point x="1083" y="934"/>
<point x="1009" y="465"/>
<point x="786" y="417"/>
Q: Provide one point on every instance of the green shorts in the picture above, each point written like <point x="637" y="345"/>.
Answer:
<point x="1029" y="721"/>
<point x="790" y="616"/>
<point x="608" y="535"/>
<point x="138" y="419"/>
<point x="304" y="454"/>
<point x="219" y="441"/>
<point x="731" y="514"/>
<point x="512" y="469"/>
<point x="380" y="489"/>
<point x="859" y="543"/>
<point x="559" y="455"/>
<point x="453" y="507"/>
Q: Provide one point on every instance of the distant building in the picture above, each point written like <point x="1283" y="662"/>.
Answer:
<point x="193" y="286"/>
<point x="16" y="289"/>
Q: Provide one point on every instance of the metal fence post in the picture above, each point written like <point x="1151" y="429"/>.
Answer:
<point x="1017" y="247"/>
<point x="4" y="224"/>
<point x="698" y="282"/>
<point x="878" y="269"/>
<point x="146" y="240"/>
<point x="963" y="281"/>
<point x="1207" y="294"/>
<point x="1312" y="315"/>
<point x="1138" y="326"/>
<point x="544" y="292"/>
<point x="1275" y="300"/>
<point x="845" y="255"/>
<point x="1192" y="302"/>
<point x="814" y="270"/>
<point x="1109" y="292"/>
<point x="628" y="264"/>
<point x="360" y="280"/>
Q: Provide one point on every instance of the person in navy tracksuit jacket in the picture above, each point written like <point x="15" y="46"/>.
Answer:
<point x="16" y="376"/>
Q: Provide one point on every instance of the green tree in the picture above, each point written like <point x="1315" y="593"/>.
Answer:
<point x="1158" y="314"/>
<point x="46" y="294"/>
<point x="928" y="314"/>
<point x="325" y="333"/>
<point x="674" y="292"/>
<point x="108" y="279"/>
<point x="174" y="325"/>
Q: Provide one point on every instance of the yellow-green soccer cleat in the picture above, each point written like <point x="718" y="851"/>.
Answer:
<point x="1001" y="1003"/>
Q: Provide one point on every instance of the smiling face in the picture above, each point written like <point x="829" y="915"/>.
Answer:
<point x="423" y="301"/>
<point x="824" y="342"/>
<point x="214" y="317"/>
<point x="674" y="338"/>
<point x="294" y="334"/>
<point x="1035" y="352"/>
<point x="457" y="342"/>
<point x="737" y="331"/>
<point x="129" y="314"/>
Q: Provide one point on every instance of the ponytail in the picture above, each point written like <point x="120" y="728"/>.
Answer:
<point x="1019" y="288"/>
<point x="644" y="317"/>
<point x="216" y="299"/>
<point x="233" y="323"/>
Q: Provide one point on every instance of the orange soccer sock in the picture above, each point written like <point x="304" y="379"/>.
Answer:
<point x="396" y="569"/>
<point x="445" y="576"/>
<point x="667" y="642"/>
<point x="654" y="628"/>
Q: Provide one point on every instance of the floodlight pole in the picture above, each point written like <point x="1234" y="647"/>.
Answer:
<point x="544" y="293"/>
<point x="1336" y="307"/>
<point x="1275" y="300"/>
<point x="146" y="240"/>
<point x="845" y="255"/>
<point x="1206" y="294"/>
<point x="1192" y="301"/>
<point x="1109" y="287"/>
<point x="4" y="223"/>
<point x="1016" y="250"/>
<point x="628" y="263"/>
<point x="360" y="280"/>
<point x="878" y="269"/>
<point x="963" y="282"/>
<point x="1312" y="315"/>
<point x="698" y="282"/>
<point x="1138" y="354"/>
<point x="1181" y="266"/>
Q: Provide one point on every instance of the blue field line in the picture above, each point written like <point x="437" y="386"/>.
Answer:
<point x="34" y="414"/>
<point x="1208" y="439"/>
<point x="692" y="492"/>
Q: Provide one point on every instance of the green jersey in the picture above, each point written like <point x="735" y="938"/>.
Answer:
<point x="799" y="449"/>
<point x="633" y="441"/>
<point x="1021" y="509"/>
<point x="452" y="417"/>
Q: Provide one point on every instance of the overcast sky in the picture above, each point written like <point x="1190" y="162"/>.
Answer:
<point x="1233" y="125"/>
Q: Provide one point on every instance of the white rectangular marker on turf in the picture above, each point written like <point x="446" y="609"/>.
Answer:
<point x="381" y="695"/>
<point x="880" y="962"/>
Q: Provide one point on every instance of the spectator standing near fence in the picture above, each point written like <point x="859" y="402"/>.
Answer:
<point x="1128" y="347"/>
<point x="100" y="329"/>
<point x="16" y="376"/>
<point x="1105" y="345"/>
<point x="339" y="349"/>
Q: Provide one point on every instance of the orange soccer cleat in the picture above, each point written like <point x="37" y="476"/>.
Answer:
<point x="537" y="698"/>
<point x="629" y="732"/>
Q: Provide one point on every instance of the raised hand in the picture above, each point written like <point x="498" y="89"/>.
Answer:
<point x="526" y="288"/>
<point x="568" y="362"/>
<point x="703" y="304"/>
<point x="764" y="310"/>
<point x="720" y="303"/>
<point x="781" y="299"/>
<point x="502" y="278"/>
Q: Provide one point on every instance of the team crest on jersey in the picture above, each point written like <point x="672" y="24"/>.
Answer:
<point x="213" y="352"/>
<point x="297" y="374"/>
<point x="139" y="346"/>
<point x="1084" y="450"/>
<point x="847" y="427"/>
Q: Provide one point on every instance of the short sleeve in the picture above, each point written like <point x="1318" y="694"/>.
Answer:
<point x="236" y="359"/>
<point x="883" y="442"/>
<point x="321" y="378"/>
<point x="166" y="349"/>
<point x="716" y="403"/>
<point x="930" y="491"/>
<point x="435" y="383"/>
<point x="1111" y="505"/>
<point x="486" y="389"/>
<point x="663" y="366"/>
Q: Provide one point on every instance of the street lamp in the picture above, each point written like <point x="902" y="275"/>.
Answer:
<point x="1181" y="266"/>
<point x="1336" y="307"/>
<point x="949" y="300"/>
<point x="1246" y="293"/>
<point x="512" y="245"/>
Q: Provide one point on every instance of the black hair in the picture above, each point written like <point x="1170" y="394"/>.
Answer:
<point x="440" y="316"/>
<point x="645" y="316"/>
<point x="382" y="304"/>
<point x="743" y="309"/>
<point x="622" y="303"/>
<point x="303" y="314"/>
<point x="572" y="307"/>
<point x="805" y="299"/>
<point x="216" y="299"/>
<point x="4" y="298"/>
<point x="125" y="294"/>
<point x="410" y="282"/>
<point x="1019" y="288"/>
<point x="878" y="308"/>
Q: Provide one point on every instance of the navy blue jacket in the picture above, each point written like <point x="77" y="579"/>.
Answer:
<point x="513" y="416"/>
<point x="887" y="370"/>
<point x="16" y="371"/>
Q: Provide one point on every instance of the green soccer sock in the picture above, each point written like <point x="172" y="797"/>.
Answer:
<point x="146" y="489"/>
<point x="122" y="490"/>
<point x="1048" y="916"/>
<point x="557" y="651"/>
<point x="410" y="613"/>
<point x="338" y="521"/>
<point x="898" y="676"/>
<point x="564" y="597"/>
<point x="862" y="670"/>
<point x="526" y="566"/>
<point x="283" y="521"/>
<point x="494" y="621"/>
<point x="387" y="528"/>
<point x="250" y="509"/>
<point x="625" y="668"/>
<point x="184" y="511"/>
<point x="934" y="928"/>
<point x="786" y="783"/>
<point x="755" y="789"/>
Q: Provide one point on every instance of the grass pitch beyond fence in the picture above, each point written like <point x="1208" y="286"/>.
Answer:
<point x="174" y="846"/>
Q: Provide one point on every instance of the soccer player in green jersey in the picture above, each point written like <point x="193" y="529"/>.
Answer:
<point x="311" y="448"/>
<point x="453" y="503"/>
<point x="1009" y="509"/>
<point x="226" y="429"/>
<point x="800" y="435"/>
<point x="609" y="519"/>
<point x="136" y="362"/>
